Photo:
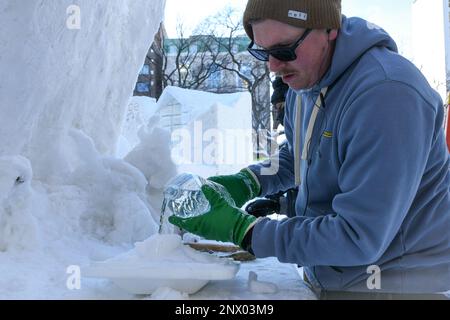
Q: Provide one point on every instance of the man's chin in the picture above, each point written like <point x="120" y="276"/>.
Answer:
<point x="293" y="84"/>
<point x="298" y="87"/>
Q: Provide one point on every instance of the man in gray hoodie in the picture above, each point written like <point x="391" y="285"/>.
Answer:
<point x="367" y="149"/>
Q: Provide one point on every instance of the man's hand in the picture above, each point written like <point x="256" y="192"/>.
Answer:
<point x="223" y="222"/>
<point x="242" y="186"/>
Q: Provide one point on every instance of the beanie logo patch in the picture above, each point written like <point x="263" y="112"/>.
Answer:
<point x="298" y="15"/>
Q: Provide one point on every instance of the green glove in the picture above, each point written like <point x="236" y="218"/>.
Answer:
<point x="242" y="186"/>
<point x="223" y="222"/>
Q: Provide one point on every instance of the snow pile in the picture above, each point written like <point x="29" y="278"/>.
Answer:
<point x="158" y="246"/>
<point x="114" y="198"/>
<point x="99" y="211"/>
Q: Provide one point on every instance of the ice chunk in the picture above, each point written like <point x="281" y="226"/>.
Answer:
<point x="263" y="287"/>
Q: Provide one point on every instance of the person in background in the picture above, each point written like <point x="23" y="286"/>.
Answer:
<point x="367" y="150"/>
<point x="283" y="202"/>
<point x="278" y="100"/>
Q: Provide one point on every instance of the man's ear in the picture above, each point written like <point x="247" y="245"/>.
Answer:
<point x="332" y="34"/>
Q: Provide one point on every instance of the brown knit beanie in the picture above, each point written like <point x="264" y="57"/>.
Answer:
<point x="312" y="14"/>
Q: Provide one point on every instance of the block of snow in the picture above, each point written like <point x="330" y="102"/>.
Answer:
<point x="162" y="261"/>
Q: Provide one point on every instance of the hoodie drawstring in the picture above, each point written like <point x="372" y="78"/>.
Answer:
<point x="309" y="131"/>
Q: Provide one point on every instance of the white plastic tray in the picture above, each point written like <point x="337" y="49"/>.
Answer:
<point x="145" y="279"/>
<point x="185" y="270"/>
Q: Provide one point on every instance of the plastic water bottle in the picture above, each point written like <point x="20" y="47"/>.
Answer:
<point x="183" y="196"/>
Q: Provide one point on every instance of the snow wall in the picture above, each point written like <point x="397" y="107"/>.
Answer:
<point x="68" y="69"/>
<point x="69" y="64"/>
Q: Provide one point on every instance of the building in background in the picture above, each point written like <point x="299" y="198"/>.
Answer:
<point x="150" y="79"/>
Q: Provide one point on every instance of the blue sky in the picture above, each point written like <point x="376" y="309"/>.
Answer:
<point x="393" y="16"/>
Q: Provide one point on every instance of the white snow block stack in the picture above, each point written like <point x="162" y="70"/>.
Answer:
<point x="211" y="133"/>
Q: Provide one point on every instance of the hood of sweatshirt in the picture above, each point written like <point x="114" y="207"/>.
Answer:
<point x="355" y="38"/>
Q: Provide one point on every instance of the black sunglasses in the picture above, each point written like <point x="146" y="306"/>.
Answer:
<point x="280" y="53"/>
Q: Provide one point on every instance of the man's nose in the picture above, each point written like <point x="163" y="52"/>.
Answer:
<point x="275" y="64"/>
